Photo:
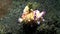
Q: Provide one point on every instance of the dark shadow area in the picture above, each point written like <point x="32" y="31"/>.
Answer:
<point x="30" y="28"/>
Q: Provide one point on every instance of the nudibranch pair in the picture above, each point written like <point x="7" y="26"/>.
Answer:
<point x="33" y="15"/>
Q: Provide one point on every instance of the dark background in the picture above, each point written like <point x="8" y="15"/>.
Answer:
<point x="11" y="10"/>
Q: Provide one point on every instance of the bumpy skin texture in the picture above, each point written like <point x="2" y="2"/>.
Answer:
<point x="28" y="18"/>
